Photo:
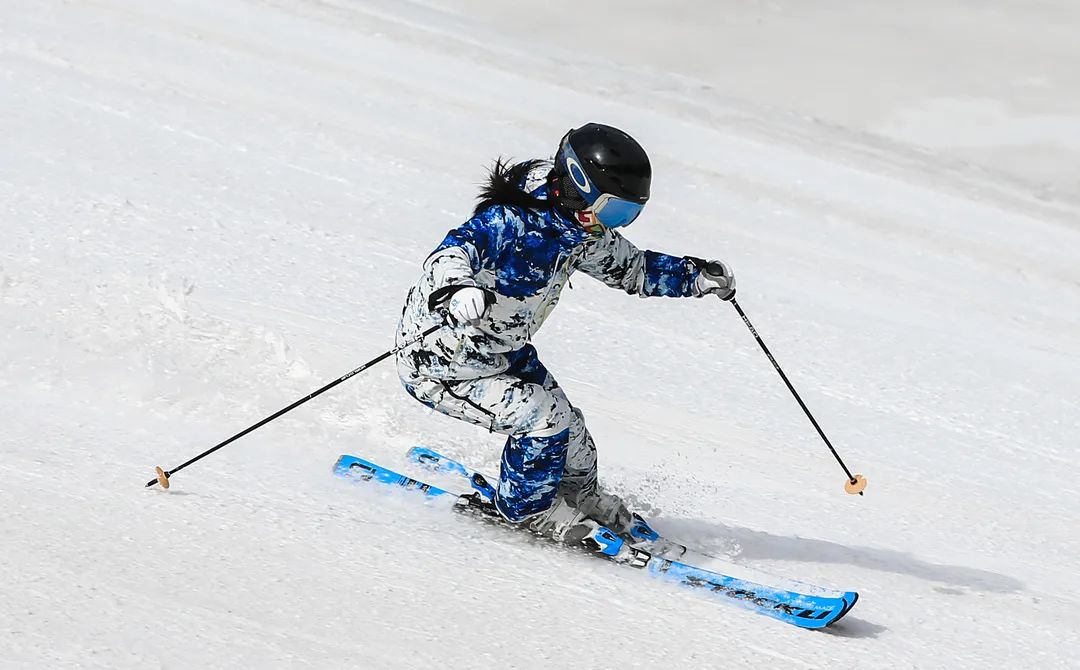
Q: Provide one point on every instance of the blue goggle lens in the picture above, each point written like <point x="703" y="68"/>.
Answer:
<point x="616" y="212"/>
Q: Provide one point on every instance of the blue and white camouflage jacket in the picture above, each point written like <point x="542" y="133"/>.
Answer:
<point x="524" y="256"/>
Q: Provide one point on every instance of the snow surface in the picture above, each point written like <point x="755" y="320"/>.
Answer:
<point x="211" y="208"/>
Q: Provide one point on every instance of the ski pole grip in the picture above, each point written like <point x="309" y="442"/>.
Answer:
<point x="714" y="269"/>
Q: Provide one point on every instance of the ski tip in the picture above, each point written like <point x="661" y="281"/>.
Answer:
<point x="849" y="598"/>
<point x="820" y="620"/>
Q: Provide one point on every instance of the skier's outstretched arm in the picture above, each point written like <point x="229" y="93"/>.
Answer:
<point x="614" y="260"/>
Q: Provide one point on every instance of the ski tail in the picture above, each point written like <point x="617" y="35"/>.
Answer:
<point x="436" y="462"/>
<point x="358" y="469"/>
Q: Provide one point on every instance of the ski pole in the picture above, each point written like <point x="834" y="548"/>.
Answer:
<point x="855" y="483"/>
<point x="162" y="477"/>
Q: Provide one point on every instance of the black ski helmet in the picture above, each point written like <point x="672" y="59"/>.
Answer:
<point x="596" y="159"/>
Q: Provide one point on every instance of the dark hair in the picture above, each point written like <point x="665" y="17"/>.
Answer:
<point x="506" y="186"/>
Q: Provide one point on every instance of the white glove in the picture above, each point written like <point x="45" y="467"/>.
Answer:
<point x="716" y="277"/>
<point x="467" y="304"/>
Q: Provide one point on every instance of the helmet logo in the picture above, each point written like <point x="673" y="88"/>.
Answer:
<point x="575" y="170"/>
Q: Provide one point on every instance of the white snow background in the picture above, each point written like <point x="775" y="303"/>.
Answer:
<point x="210" y="208"/>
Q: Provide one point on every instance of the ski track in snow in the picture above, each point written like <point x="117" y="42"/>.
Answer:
<point x="210" y="209"/>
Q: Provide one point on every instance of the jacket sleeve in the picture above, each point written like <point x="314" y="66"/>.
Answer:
<point x="471" y="247"/>
<point x="614" y="260"/>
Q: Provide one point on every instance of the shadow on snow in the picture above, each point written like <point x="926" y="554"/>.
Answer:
<point x="745" y="544"/>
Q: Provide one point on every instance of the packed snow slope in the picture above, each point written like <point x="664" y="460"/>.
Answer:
<point x="209" y="209"/>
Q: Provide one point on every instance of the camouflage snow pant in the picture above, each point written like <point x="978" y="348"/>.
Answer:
<point x="549" y="451"/>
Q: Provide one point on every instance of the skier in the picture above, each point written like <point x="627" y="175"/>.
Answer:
<point x="495" y="278"/>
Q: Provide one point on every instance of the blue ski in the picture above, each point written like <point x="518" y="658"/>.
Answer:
<point x="642" y="533"/>
<point x="803" y="610"/>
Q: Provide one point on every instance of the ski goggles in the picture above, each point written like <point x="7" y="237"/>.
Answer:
<point x="609" y="210"/>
